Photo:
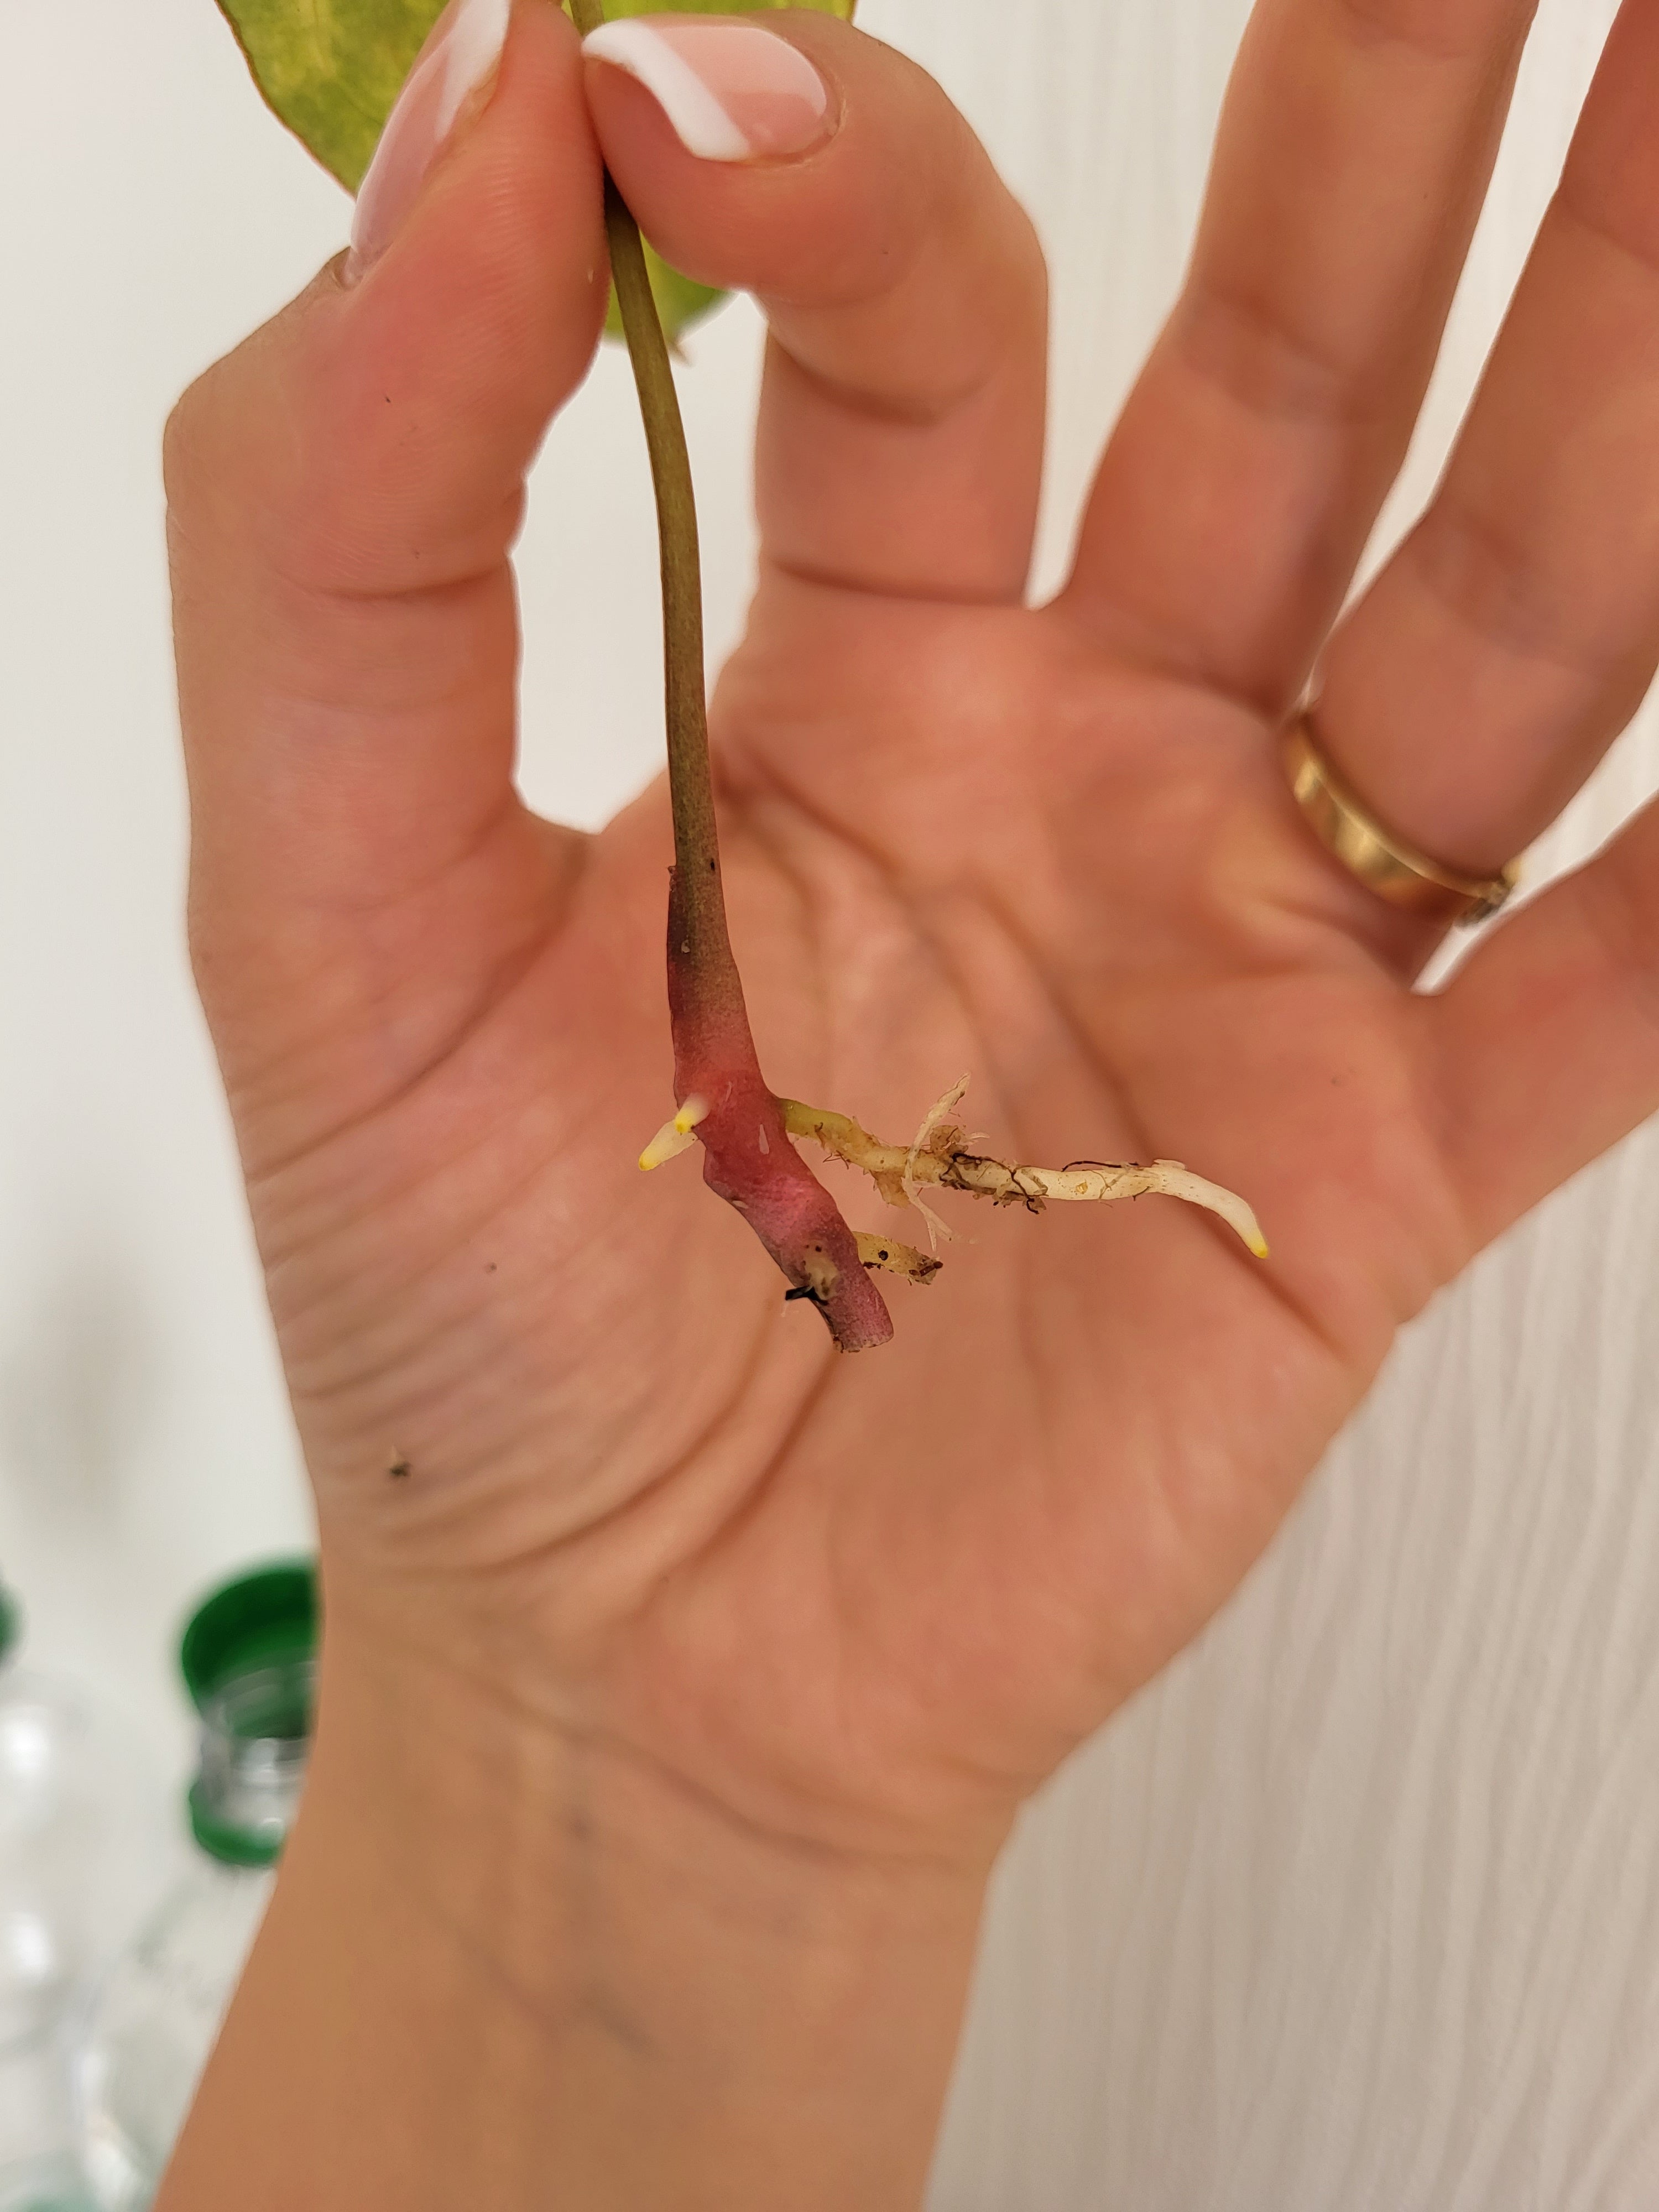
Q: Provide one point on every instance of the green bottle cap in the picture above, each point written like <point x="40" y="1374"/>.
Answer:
<point x="248" y="1657"/>
<point x="267" y="1618"/>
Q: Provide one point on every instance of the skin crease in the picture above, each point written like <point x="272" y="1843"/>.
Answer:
<point x="787" y="1629"/>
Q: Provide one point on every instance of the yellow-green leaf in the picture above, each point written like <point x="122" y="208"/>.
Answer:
<point x="332" y="69"/>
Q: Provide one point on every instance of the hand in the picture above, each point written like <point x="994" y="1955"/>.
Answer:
<point x="850" y="1612"/>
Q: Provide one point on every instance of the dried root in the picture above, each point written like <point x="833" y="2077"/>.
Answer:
<point x="892" y="1258"/>
<point x="940" y="1157"/>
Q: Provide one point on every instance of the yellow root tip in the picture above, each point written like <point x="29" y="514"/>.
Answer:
<point x="675" y="1137"/>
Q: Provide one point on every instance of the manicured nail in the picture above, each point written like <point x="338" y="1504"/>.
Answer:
<point x="732" y="92"/>
<point x="462" y="48"/>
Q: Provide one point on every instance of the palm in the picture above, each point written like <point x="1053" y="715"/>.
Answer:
<point x="852" y="1593"/>
<point x="975" y="1542"/>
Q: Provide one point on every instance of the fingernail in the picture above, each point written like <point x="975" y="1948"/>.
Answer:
<point x="462" y="48"/>
<point x="732" y="91"/>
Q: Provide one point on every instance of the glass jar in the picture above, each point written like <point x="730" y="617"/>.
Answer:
<point x="71" y="1805"/>
<point x="249" y="1660"/>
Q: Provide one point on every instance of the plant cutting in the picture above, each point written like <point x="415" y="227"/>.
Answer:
<point x="331" y="69"/>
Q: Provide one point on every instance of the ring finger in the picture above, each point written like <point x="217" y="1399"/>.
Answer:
<point x="1510" y="639"/>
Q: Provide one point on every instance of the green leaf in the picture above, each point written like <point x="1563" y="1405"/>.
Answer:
<point x="332" y="69"/>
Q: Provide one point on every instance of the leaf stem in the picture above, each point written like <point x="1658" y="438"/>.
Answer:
<point x="698" y="911"/>
<point x="691" y="790"/>
<point x="747" y="1159"/>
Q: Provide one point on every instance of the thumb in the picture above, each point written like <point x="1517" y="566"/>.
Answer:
<point x="343" y="490"/>
<point x="372" y="435"/>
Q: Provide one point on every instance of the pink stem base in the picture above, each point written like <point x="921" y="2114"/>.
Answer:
<point x="749" y="1160"/>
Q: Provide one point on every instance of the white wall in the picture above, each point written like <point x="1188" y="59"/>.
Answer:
<point x="1358" y="1908"/>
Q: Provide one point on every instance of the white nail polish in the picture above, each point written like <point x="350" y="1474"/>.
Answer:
<point x="473" y="48"/>
<point x="700" y="122"/>
<point x="464" y="47"/>
<point x="731" y="92"/>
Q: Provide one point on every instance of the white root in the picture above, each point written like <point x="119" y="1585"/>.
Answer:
<point x="940" y="1157"/>
<point x="1100" y="1185"/>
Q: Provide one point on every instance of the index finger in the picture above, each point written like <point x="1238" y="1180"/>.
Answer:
<point x="343" y="492"/>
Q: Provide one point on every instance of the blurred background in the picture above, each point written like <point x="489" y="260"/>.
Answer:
<point x="1357" y="1906"/>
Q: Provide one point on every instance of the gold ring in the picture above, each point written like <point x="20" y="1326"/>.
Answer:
<point x="1383" y="862"/>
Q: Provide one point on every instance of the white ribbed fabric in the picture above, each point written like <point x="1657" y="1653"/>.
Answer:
<point x="1355" y="1910"/>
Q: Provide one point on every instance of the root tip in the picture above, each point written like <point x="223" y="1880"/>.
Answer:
<point x="675" y="1137"/>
